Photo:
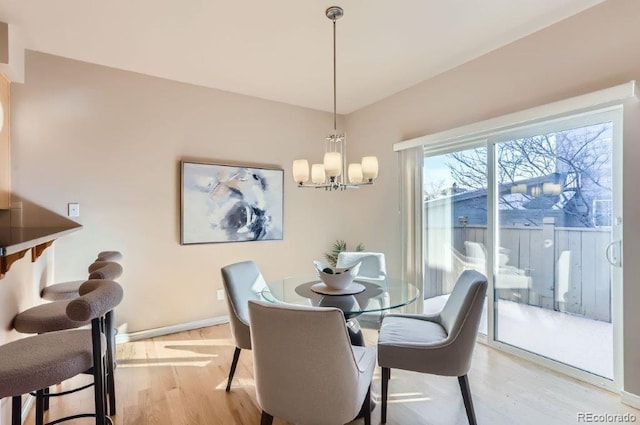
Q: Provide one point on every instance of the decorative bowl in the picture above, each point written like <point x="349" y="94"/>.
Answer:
<point x="336" y="277"/>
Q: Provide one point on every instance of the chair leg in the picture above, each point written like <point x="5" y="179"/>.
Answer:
<point x="111" y="385"/>
<point x="40" y="407"/>
<point x="466" y="396"/>
<point x="236" y="356"/>
<point x="386" y="374"/>
<point x="105" y="386"/>
<point x="266" y="419"/>
<point x="365" y="411"/>
<point x="16" y="410"/>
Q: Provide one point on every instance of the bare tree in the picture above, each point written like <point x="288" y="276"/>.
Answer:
<point x="581" y="157"/>
<point x="434" y="189"/>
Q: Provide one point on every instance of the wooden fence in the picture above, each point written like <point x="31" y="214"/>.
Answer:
<point x="567" y="266"/>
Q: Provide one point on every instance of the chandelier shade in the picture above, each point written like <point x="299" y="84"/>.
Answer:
<point x="335" y="173"/>
<point x="370" y="167"/>
<point x="301" y="170"/>
<point x="317" y="174"/>
<point x="355" y="173"/>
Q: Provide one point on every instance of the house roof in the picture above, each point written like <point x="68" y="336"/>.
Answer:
<point x="282" y="50"/>
<point x="536" y="202"/>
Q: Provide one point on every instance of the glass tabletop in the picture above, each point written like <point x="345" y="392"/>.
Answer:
<point x="378" y="295"/>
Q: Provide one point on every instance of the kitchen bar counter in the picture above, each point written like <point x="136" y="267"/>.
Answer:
<point x="16" y="241"/>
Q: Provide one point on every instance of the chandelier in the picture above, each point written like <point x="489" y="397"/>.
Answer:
<point x="330" y="174"/>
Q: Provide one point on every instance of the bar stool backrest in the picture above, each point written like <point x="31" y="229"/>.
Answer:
<point x="97" y="298"/>
<point x="107" y="270"/>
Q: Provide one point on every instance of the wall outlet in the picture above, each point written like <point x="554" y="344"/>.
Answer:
<point x="220" y="294"/>
<point x="74" y="210"/>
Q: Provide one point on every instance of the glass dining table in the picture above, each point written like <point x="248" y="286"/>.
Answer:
<point x="378" y="296"/>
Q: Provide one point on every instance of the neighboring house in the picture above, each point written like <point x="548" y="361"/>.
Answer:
<point x="526" y="208"/>
<point x="577" y="194"/>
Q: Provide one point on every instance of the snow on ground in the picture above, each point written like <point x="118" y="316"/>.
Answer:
<point x="583" y="343"/>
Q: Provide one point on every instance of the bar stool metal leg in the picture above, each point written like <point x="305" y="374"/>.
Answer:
<point x="40" y="407"/>
<point x="46" y="399"/>
<point x="16" y="410"/>
<point x="98" y="373"/>
<point x="110" y="363"/>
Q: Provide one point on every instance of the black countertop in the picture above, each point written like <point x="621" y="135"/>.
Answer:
<point x="15" y="239"/>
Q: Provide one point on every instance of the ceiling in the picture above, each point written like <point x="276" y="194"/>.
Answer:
<point x="282" y="49"/>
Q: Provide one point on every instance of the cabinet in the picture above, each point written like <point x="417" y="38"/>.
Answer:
<point x="5" y="151"/>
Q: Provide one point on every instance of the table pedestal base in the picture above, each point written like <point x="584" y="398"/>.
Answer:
<point x="355" y="333"/>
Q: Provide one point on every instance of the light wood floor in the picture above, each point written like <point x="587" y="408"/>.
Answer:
<point x="180" y="379"/>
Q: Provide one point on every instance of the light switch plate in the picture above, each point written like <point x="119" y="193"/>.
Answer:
<point x="74" y="210"/>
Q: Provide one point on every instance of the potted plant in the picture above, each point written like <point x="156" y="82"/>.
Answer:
<point x="338" y="247"/>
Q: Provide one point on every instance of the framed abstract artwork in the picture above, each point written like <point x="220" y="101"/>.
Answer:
<point x="230" y="203"/>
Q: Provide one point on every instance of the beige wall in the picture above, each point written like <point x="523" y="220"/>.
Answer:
<point x="112" y="141"/>
<point x="593" y="50"/>
<point x="5" y="152"/>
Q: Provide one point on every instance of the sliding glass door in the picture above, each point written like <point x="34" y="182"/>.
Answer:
<point x="538" y="211"/>
<point x="554" y="203"/>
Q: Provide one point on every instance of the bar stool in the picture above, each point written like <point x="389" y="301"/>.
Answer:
<point x="51" y="317"/>
<point x="69" y="290"/>
<point x="37" y="362"/>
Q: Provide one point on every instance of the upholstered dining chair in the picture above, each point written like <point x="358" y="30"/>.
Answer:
<point x="306" y="370"/>
<point x="373" y="268"/>
<point x="37" y="362"/>
<point x="372" y="264"/>
<point x="242" y="282"/>
<point x="439" y="344"/>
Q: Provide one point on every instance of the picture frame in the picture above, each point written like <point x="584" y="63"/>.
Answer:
<point x="223" y="203"/>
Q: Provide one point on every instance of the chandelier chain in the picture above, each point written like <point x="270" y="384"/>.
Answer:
<point x="335" y="128"/>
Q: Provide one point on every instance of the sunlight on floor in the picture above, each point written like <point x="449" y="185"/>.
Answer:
<point x="195" y="353"/>
<point x="237" y="383"/>
<point x="407" y="397"/>
<point x="393" y="400"/>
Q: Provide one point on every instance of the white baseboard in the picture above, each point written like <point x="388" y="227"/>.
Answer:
<point x="630" y="399"/>
<point x="172" y="329"/>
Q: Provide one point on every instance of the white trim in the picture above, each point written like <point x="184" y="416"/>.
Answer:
<point x="172" y="329"/>
<point x="600" y="98"/>
<point x="458" y="145"/>
<point x="630" y="399"/>
<point x="492" y="236"/>
<point x="617" y="233"/>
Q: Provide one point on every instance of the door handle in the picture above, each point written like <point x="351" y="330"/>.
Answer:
<point x="613" y="254"/>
